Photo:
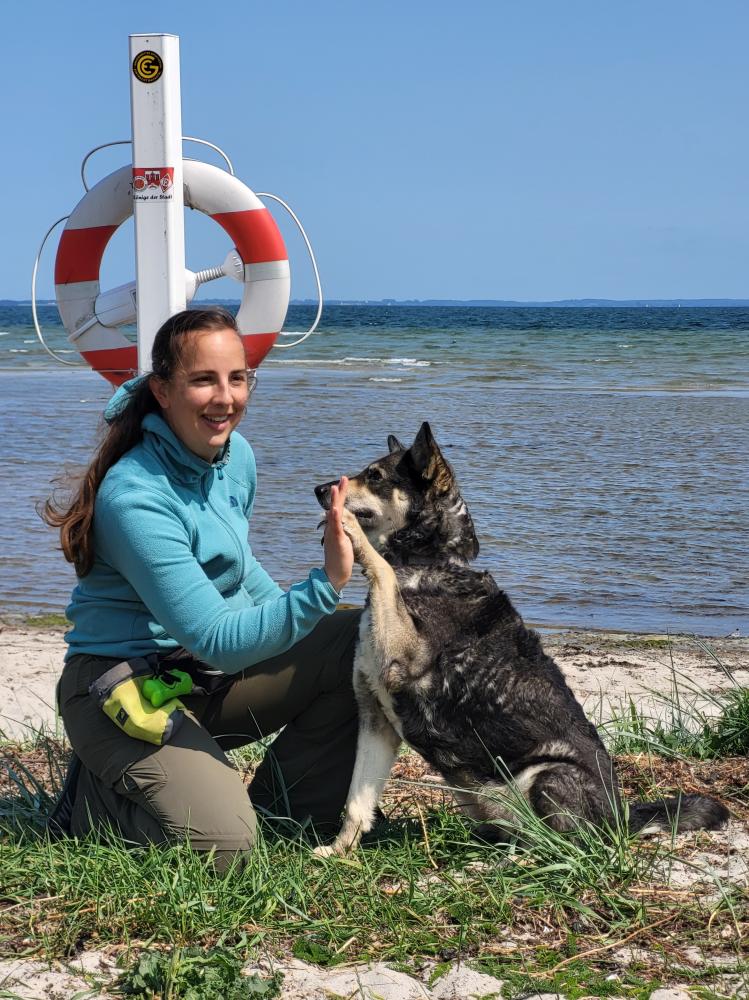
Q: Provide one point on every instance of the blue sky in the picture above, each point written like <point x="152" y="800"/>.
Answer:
<point x="534" y="150"/>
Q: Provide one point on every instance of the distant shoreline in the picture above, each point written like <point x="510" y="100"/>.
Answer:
<point x="560" y="304"/>
<point x="486" y="303"/>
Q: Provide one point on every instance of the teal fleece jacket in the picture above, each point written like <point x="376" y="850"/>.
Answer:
<point x="173" y="564"/>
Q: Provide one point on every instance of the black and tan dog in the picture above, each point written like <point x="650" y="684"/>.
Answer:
<point x="445" y="663"/>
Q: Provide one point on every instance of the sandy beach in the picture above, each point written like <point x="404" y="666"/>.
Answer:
<point x="604" y="669"/>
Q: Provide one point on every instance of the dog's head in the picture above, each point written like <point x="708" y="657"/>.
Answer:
<point x="409" y="501"/>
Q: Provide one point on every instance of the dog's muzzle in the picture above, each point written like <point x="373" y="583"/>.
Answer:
<point x="323" y="493"/>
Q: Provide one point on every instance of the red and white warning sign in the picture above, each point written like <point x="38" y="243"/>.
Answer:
<point x="153" y="183"/>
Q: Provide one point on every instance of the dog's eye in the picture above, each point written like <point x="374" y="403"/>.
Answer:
<point x="374" y="475"/>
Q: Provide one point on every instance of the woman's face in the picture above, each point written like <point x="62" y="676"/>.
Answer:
<point x="206" y="397"/>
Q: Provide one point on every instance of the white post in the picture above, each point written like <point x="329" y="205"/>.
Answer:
<point x="158" y="202"/>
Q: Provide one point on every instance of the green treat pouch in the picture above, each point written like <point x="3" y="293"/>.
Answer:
<point x="119" y="694"/>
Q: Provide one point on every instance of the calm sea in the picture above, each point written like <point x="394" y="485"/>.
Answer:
<point x="604" y="453"/>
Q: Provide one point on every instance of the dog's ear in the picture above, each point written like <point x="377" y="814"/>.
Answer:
<point x="427" y="460"/>
<point x="394" y="444"/>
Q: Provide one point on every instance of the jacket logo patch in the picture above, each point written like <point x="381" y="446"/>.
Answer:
<point x="233" y="501"/>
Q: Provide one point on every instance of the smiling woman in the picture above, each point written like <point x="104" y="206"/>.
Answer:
<point x="206" y="397"/>
<point x="158" y="534"/>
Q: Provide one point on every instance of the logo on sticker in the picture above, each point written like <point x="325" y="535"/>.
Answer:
<point x="148" y="66"/>
<point x="153" y="183"/>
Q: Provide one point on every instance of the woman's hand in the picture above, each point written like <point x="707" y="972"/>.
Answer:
<point x="339" y="553"/>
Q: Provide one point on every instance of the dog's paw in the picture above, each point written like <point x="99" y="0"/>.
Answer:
<point x="354" y="531"/>
<point x="329" y="851"/>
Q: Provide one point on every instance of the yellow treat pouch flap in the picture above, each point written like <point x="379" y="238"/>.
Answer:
<point x="120" y="696"/>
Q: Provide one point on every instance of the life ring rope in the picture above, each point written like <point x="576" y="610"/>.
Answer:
<point x="129" y="142"/>
<point x="34" y="315"/>
<point x="311" y="252"/>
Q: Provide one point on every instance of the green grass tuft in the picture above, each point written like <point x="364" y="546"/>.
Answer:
<point x="687" y="723"/>
<point x="646" y="642"/>
<point x="729" y="734"/>
<point x="49" y="620"/>
<point x="193" y="974"/>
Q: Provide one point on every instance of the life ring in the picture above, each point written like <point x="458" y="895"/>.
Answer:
<point x="208" y="189"/>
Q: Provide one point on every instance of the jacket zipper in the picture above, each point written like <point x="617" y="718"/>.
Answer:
<point x="227" y="525"/>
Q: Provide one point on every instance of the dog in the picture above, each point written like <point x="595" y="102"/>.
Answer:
<point x="445" y="663"/>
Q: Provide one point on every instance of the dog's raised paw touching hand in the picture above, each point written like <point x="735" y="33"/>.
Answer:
<point x="354" y="531"/>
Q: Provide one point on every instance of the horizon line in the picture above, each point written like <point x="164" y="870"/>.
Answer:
<point x="494" y="303"/>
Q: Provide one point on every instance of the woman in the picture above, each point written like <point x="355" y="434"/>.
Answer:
<point x="158" y="535"/>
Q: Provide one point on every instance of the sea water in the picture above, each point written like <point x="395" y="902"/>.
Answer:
<point x="603" y="453"/>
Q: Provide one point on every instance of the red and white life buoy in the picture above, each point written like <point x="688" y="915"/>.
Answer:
<point x="210" y="190"/>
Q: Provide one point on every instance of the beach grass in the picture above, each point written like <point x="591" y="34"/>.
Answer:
<point x="597" y="916"/>
<point x="423" y="892"/>
<point x="419" y="893"/>
<point x="686" y="721"/>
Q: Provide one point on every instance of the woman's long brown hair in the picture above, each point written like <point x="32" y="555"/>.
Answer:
<point x="76" y="519"/>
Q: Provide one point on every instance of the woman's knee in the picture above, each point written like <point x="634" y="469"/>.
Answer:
<point x="211" y="808"/>
<point x="190" y="791"/>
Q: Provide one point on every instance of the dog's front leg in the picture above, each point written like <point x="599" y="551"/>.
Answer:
<point x="376" y="749"/>
<point x="375" y="754"/>
<point x="393" y="633"/>
<point x="389" y="642"/>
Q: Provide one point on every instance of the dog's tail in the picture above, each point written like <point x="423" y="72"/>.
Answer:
<point x="681" y="813"/>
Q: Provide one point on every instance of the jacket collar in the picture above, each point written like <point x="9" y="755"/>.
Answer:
<point x="184" y="464"/>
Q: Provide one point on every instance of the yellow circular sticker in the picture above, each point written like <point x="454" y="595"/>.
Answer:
<point x="148" y="66"/>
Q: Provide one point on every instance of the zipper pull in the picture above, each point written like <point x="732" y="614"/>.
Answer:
<point x="220" y="472"/>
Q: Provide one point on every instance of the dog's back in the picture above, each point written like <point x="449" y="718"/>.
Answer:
<point x="492" y="706"/>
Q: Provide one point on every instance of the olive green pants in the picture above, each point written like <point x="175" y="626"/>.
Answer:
<point x="187" y="788"/>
